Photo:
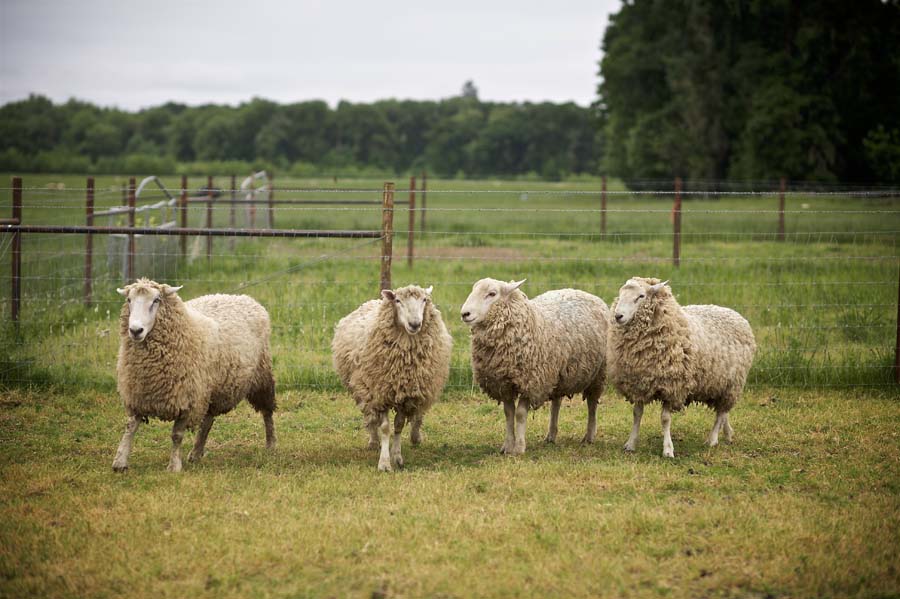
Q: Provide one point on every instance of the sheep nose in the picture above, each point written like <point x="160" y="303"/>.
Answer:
<point x="465" y="314"/>
<point x="415" y="325"/>
<point x="135" y="331"/>
<point x="619" y="317"/>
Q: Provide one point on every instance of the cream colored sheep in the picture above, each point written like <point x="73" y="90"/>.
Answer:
<point x="189" y="362"/>
<point x="660" y="351"/>
<point x="393" y="353"/>
<point x="536" y="350"/>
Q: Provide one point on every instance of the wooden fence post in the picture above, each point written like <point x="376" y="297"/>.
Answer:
<point x="89" y="243"/>
<point x="16" y="297"/>
<point x="676" y="213"/>
<point x="412" y="222"/>
<point x="271" y="201"/>
<point x="781" y="210"/>
<point x="424" y="192"/>
<point x="209" y="216"/>
<point x="183" y="213"/>
<point x="603" y="209"/>
<point x="129" y="264"/>
<point x="232" y="221"/>
<point x="387" y="233"/>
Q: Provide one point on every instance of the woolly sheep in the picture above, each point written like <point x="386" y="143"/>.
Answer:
<point x="190" y="362"/>
<point x="537" y="350"/>
<point x="393" y="353"/>
<point x="661" y="351"/>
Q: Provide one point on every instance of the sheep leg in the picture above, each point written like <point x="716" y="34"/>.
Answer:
<point x="521" y="421"/>
<point x="638" y="413"/>
<point x="120" y="463"/>
<point x="384" y="436"/>
<point x="177" y="437"/>
<point x="396" y="456"/>
<point x="199" y="449"/>
<point x="713" y="439"/>
<point x="372" y="427"/>
<point x="729" y="432"/>
<point x="666" y="419"/>
<point x="415" y="435"/>
<point x="270" y="429"/>
<point x="509" y="409"/>
<point x="591" y="432"/>
<point x="554" y="420"/>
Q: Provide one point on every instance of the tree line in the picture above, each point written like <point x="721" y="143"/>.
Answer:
<point x="744" y="89"/>
<point x="455" y="137"/>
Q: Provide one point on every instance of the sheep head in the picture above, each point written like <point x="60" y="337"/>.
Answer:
<point x="484" y="293"/>
<point x="409" y="305"/>
<point x="632" y="296"/>
<point x="143" y="298"/>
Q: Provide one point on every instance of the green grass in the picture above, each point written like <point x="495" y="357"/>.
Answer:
<point x="804" y="503"/>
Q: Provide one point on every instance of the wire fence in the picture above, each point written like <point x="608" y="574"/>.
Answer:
<point x="814" y="271"/>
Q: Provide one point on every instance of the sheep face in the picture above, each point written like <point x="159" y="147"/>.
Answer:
<point x="409" y="306"/>
<point x="631" y="296"/>
<point x="143" y="299"/>
<point x="484" y="293"/>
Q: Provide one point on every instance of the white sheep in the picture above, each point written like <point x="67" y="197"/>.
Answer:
<point x="393" y="353"/>
<point x="189" y="362"/>
<point x="661" y="351"/>
<point x="536" y="350"/>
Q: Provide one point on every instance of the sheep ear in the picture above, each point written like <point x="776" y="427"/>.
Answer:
<point x="512" y="285"/>
<point x="122" y="291"/>
<point x="388" y="295"/>
<point x="168" y="290"/>
<point x="429" y="289"/>
<point x="654" y="289"/>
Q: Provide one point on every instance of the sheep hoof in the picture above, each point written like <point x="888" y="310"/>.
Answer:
<point x="397" y="462"/>
<point x="550" y="440"/>
<point x="712" y="442"/>
<point x="668" y="453"/>
<point x="384" y="466"/>
<point x="517" y="450"/>
<point x="416" y="439"/>
<point x="587" y="440"/>
<point x="373" y="445"/>
<point x="195" y="456"/>
<point x="174" y="466"/>
<point x="630" y="448"/>
<point x="120" y="467"/>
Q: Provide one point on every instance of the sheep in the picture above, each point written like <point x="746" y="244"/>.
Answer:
<point x="189" y="362"/>
<point x="661" y="351"/>
<point x="393" y="353"/>
<point x="537" y="350"/>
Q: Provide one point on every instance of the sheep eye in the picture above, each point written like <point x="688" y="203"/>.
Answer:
<point x="641" y="296"/>
<point x="156" y="300"/>
<point x="492" y="294"/>
<point x="398" y="301"/>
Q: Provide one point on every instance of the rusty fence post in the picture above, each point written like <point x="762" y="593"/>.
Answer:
<point x="16" y="297"/>
<point x="412" y="222"/>
<point x="676" y="213"/>
<point x="271" y="201"/>
<point x="129" y="264"/>
<point x="232" y="222"/>
<point x="781" y="210"/>
<point x="183" y="212"/>
<point x="89" y="243"/>
<point x="603" y="208"/>
<point x="387" y="233"/>
<point x="209" y="217"/>
<point x="424" y="192"/>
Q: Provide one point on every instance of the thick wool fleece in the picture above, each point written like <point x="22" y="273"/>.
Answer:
<point x="383" y="366"/>
<point x="545" y="348"/>
<point x="204" y="355"/>
<point x="681" y="355"/>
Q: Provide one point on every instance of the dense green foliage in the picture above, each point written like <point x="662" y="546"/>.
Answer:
<point x="752" y="90"/>
<point x="460" y="136"/>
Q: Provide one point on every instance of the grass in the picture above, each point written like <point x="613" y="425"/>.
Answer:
<point x="806" y="502"/>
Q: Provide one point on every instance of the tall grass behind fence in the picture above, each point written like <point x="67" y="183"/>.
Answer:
<point x="822" y="301"/>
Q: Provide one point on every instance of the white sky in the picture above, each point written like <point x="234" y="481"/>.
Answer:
<point x="133" y="54"/>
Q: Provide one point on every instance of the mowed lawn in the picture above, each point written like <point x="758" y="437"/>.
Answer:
<point x="805" y="502"/>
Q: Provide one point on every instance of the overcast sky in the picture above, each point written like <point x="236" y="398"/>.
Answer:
<point x="134" y="54"/>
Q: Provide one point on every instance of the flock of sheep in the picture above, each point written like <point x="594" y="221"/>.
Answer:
<point x="189" y="362"/>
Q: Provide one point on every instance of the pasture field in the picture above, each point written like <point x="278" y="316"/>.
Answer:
<point x="806" y="502"/>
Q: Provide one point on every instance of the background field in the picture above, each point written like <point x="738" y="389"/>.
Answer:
<point x="804" y="503"/>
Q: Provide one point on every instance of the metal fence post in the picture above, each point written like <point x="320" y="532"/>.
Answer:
<point x="424" y="192"/>
<point x="232" y="221"/>
<point x="387" y="233"/>
<point x="209" y="216"/>
<point x="676" y="213"/>
<point x="412" y="222"/>
<point x="271" y="201"/>
<point x="89" y="243"/>
<point x="781" y="210"/>
<point x="129" y="265"/>
<point x="16" y="298"/>
<point x="603" y="209"/>
<point x="182" y="211"/>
